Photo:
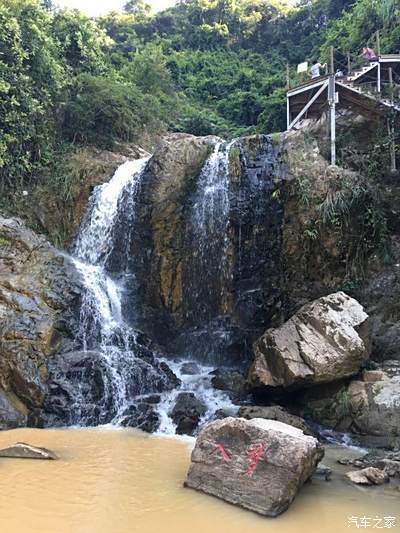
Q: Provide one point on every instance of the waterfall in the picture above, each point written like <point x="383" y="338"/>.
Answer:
<point x="115" y="377"/>
<point x="104" y="381"/>
<point x="210" y="218"/>
<point x="101" y="315"/>
<point x="209" y="221"/>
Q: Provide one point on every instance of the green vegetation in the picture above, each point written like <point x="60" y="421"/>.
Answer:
<point x="204" y="67"/>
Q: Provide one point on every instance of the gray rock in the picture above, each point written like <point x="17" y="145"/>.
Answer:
<point x="141" y="416"/>
<point x="78" y="389"/>
<point x="230" y="381"/>
<point x="257" y="464"/>
<point x="187" y="412"/>
<point x="10" y="416"/>
<point x="368" y="476"/>
<point x="190" y="369"/>
<point x="39" y="294"/>
<point x="326" y="340"/>
<point x="391" y="468"/>
<point x="21" y="450"/>
<point x="275" y="412"/>
<point x="374" y="408"/>
<point x="324" y="472"/>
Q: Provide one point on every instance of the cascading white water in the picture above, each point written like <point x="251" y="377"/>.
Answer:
<point x="212" y="203"/>
<point x="198" y="383"/>
<point x="101" y="308"/>
<point x="101" y="324"/>
<point x="116" y="381"/>
<point x="209" y="219"/>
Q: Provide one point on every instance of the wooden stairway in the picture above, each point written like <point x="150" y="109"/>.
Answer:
<point x="349" y="82"/>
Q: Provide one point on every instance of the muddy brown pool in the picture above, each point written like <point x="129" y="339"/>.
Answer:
<point x="123" y="481"/>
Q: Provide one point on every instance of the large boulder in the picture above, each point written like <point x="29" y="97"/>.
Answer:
<point x="39" y="294"/>
<point x="326" y="340"/>
<point x="374" y="408"/>
<point x="368" y="406"/>
<point x="257" y="464"/>
<point x="275" y="412"/>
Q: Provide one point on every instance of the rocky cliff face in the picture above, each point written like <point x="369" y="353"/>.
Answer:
<point x="39" y="295"/>
<point x="219" y="242"/>
<point x="275" y="240"/>
<point x="209" y="290"/>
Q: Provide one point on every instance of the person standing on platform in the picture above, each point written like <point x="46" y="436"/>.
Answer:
<point x="316" y="69"/>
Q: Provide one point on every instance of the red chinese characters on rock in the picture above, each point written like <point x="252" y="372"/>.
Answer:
<point x="254" y="454"/>
<point x="226" y="456"/>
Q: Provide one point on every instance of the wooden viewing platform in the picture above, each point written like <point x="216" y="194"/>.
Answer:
<point x="372" y="90"/>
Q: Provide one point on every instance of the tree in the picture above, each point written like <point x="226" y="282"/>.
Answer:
<point x="140" y="8"/>
<point x="82" y="44"/>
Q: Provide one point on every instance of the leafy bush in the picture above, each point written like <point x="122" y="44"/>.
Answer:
<point x="102" y="110"/>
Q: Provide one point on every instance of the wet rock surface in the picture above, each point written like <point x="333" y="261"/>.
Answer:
<point x="39" y="298"/>
<point x="367" y="406"/>
<point x="21" y="450"/>
<point x="187" y="412"/>
<point x="231" y="381"/>
<point x="368" y="476"/>
<point x="78" y="389"/>
<point x="326" y="340"/>
<point x="142" y="416"/>
<point x="171" y="278"/>
<point x="190" y="369"/>
<point x="275" y="412"/>
<point x="270" y="271"/>
<point x="13" y="413"/>
<point x="257" y="464"/>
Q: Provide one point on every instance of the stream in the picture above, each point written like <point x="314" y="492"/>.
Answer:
<point x="122" y="481"/>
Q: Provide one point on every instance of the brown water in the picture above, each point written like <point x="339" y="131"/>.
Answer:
<point x="122" y="481"/>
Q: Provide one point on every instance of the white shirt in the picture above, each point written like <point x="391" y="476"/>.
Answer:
<point x="315" y="70"/>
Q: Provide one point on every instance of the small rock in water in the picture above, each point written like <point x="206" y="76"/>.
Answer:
<point x="230" y="381"/>
<point x="368" y="476"/>
<point x="187" y="412"/>
<point x="190" y="369"/>
<point x="324" y="471"/>
<point x="175" y="381"/>
<point x="21" y="450"/>
<point x="392" y="468"/>
<point x="141" y="416"/>
<point x="152" y="398"/>
<point x="346" y="461"/>
<point x="257" y="464"/>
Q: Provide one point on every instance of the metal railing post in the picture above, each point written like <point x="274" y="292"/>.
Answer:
<point x="391" y="127"/>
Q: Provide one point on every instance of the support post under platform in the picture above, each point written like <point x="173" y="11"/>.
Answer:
<point x="391" y="127"/>
<point x="332" y="112"/>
